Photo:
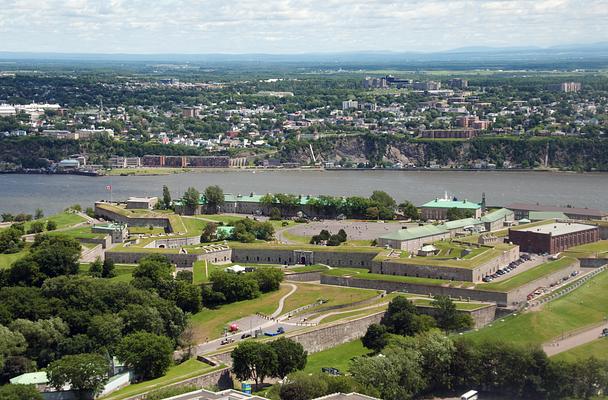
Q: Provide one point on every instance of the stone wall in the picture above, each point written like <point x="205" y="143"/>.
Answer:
<point x="390" y="286"/>
<point x="593" y="262"/>
<point x="290" y="256"/>
<point x="127" y="257"/>
<point x="91" y="254"/>
<point x="396" y="267"/>
<point x="109" y="215"/>
<point x="105" y="242"/>
<point x="303" y="277"/>
<point x="171" y="243"/>
<point x="481" y="317"/>
<point x="520" y="294"/>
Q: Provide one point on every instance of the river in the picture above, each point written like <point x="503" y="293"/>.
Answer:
<point x="52" y="193"/>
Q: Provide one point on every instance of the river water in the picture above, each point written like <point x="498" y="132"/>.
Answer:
<point x="52" y="193"/>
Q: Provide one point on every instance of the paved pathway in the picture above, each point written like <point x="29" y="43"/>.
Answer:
<point x="567" y="343"/>
<point x="279" y="309"/>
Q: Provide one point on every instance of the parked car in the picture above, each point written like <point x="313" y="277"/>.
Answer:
<point x="226" y="341"/>
<point x="331" y="371"/>
<point x="245" y="335"/>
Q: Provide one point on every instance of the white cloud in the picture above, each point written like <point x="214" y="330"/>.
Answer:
<point x="196" y="26"/>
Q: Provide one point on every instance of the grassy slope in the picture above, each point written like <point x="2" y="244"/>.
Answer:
<point x="597" y="348"/>
<point x="308" y="293"/>
<point x="63" y="220"/>
<point x="188" y="369"/>
<point x="210" y="323"/>
<point x="364" y="274"/>
<point x="7" y="259"/>
<point x="336" y="357"/>
<point x="527" y="276"/>
<point x="584" y="306"/>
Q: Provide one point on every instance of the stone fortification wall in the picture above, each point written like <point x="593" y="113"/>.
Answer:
<point x="481" y="317"/>
<point x="290" y="256"/>
<point x="110" y="215"/>
<point x="303" y="277"/>
<point x="395" y="267"/>
<point x="172" y="243"/>
<point x="391" y="286"/>
<point x="105" y="242"/>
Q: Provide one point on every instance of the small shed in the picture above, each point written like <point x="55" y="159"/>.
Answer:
<point x="428" y="250"/>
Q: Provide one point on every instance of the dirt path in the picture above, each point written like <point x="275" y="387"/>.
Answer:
<point x="560" y="345"/>
<point x="279" y="309"/>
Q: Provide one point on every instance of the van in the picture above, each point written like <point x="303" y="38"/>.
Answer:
<point x="470" y="395"/>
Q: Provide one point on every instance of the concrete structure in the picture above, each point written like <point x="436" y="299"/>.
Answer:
<point x="566" y="87"/>
<point x="554" y="237"/>
<point x="438" y="209"/>
<point x="428" y="85"/>
<point x="303" y="255"/>
<point x="186" y="161"/>
<point x="498" y="219"/>
<point x="118" y="232"/>
<point x="523" y="210"/>
<point x="141" y="203"/>
<point x="124" y="162"/>
<point x="414" y="238"/>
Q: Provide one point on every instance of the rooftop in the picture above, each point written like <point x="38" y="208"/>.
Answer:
<point x="30" y="378"/>
<point x="543" y="215"/>
<point x="496" y="215"/>
<point x="566" y="210"/>
<point x="141" y="199"/>
<point x="416" y="232"/>
<point x="558" y="228"/>
<point x="451" y="203"/>
<point x="462" y="223"/>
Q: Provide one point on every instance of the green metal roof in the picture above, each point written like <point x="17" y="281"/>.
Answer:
<point x="31" y="378"/>
<point x="496" y="215"/>
<point x="416" y="232"/>
<point x="447" y="203"/>
<point x="542" y="215"/>
<point x="461" y="223"/>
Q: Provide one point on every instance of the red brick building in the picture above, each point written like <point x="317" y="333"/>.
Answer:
<point x="554" y="238"/>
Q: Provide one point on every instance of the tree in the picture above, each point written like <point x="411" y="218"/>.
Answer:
<point x="235" y="287"/>
<point x="39" y="213"/>
<point x="148" y="354"/>
<point x="375" y="338"/>
<point x="36" y="227"/>
<point x="43" y="337"/>
<point x="447" y="317"/>
<point x="291" y="356"/>
<point x="7" y="217"/>
<point x="153" y="272"/>
<point x="372" y="212"/>
<point x="25" y="272"/>
<point x="334" y="240"/>
<point x="454" y="214"/>
<point x="342" y="235"/>
<point x="214" y="195"/>
<point x="86" y="373"/>
<point x="19" y="392"/>
<point x="10" y="240"/>
<point x="56" y="255"/>
<point x="96" y="268"/>
<point x="187" y="296"/>
<point x="106" y="330"/>
<point x="191" y="198"/>
<point x="383" y="199"/>
<point x="402" y="318"/>
<point x="409" y="210"/>
<point x="275" y="214"/>
<point x="107" y="270"/>
<point x="209" y="232"/>
<point x="254" y="360"/>
<point x="90" y="212"/>
<point x="166" y="197"/>
<point x="268" y="279"/>
<point x="51" y="225"/>
<point x="11" y="344"/>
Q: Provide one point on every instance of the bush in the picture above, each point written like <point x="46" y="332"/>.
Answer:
<point x="36" y="227"/>
<point x="275" y="214"/>
<point x="51" y="225"/>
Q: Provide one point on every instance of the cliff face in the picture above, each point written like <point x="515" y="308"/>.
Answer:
<point x="565" y="153"/>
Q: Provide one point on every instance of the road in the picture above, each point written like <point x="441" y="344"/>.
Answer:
<point x="561" y="345"/>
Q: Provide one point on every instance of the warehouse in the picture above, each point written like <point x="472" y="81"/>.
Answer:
<point x="554" y="237"/>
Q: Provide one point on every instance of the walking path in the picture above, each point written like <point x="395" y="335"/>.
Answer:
<point x="559" y="346"/>
<point x="279" y="309"/>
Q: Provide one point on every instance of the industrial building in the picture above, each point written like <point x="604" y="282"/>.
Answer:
<point x="554" y="237"/>
<point x="142" y="203"/>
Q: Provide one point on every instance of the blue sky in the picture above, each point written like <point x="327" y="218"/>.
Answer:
<point x="294" y="26"/>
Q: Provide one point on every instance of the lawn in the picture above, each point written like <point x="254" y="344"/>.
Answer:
<point x="528" y="276"/>
<point x="124" y="272"/>
<point x="145" y="230"/>
<point x="83" y="232"/>
<point x="63" y="220"/>
<point x="360" y="273"/>
<point x="7" y="259"/>
<point x="589" y="249"/>
<point x="225" y="219"/>
<point x="308" y="268"/>
<point x="584" y="306"/>
<point x="177" y="373"/>
<point x="296" y="238"/>
<point x="353" y="314"/>
<point x="309" y="293"/>
<point x="597" y="348"/>
<point x="194" y="226"/>
<point x="210" y="323"/>
<point x="336" y="357"/>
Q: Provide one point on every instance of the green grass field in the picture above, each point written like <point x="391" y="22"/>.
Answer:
<point x="210" y="323"/>
<point x="582" y="307"/>
<point x="528" y="276"/>
<point x="177" y="373"/>
<point x="63" y="220"/>
<point x="597" y="348"/>
<point x="364" y="274"/>
<point x="124" y="272"/>
<point x="83" y="232"/>
<point x="7" y="259"/>
<point x="336" y="357"/>
<point x="309" y="293"/>
<point x="143" y="230"/>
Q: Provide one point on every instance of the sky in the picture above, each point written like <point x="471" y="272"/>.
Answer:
<point x="294" y="26"/>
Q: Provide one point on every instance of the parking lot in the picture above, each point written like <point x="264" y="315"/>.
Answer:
<point x="356" y="230"/>
<point x="521" y="266"/>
